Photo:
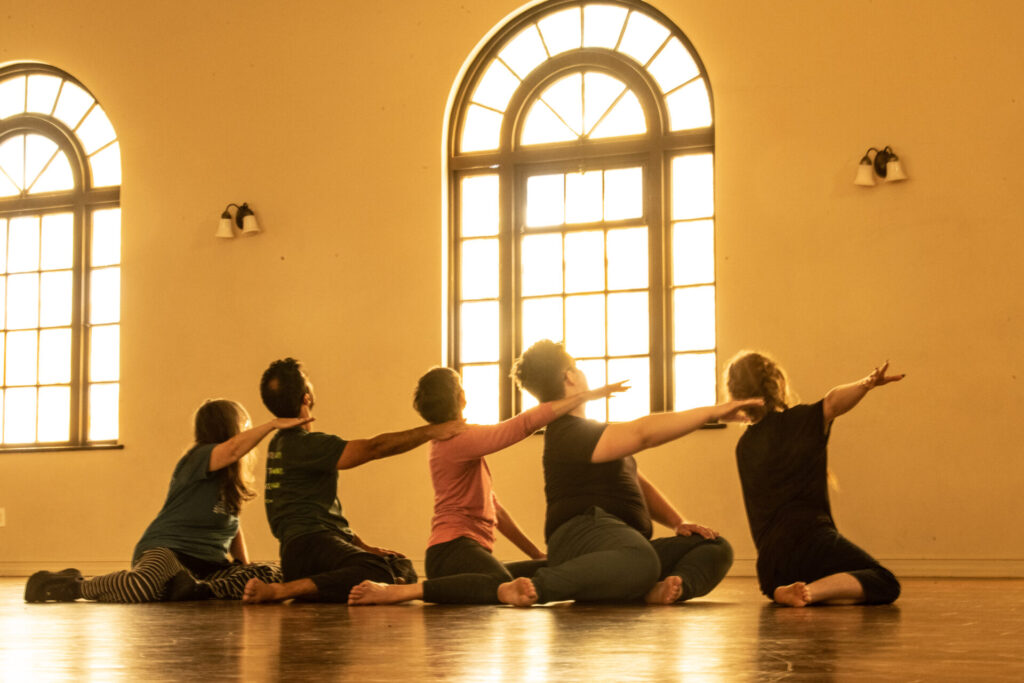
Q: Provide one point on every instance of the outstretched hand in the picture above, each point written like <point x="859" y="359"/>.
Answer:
<point x="289" y="422"/>
<point x="732" y="411"/>
<point x="608" y="389"/>
<point x="878" y="377"/>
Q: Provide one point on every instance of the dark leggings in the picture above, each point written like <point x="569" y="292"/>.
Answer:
<point x="462" y="571"/>
<point x="336" y="566"/>
<point x="823" y="551"/>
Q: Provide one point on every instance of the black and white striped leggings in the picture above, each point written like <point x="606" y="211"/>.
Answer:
<point x="147" y="580"/>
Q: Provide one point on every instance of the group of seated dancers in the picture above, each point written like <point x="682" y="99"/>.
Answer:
<point x="600" y="508"/>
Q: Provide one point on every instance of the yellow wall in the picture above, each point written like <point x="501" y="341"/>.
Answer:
<point x="327" y="117"/>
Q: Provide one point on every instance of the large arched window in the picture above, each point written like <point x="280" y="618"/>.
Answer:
<point x="581" y="208"/>
<point x="60" y="255"/>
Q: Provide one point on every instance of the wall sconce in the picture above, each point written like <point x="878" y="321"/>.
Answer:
<point x="885" y="164"/>
<point x="245" y="219"/>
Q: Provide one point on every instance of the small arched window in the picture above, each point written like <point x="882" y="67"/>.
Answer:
<point x="60" y="256"/>
<point x="581" y="149"/>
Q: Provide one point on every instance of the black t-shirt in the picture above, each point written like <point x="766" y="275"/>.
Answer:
<point x="573" y="484"/>
<point x="783" y="466"/>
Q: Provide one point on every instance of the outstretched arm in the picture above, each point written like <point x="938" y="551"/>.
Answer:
<point x="627" y="438"/>
<point x="566" y="405"/>
<point x="843" y="398"/>
<point x="664" y="513"/>
<point x="385" y="445"/>
<point x="510" y="530"/>
<point x="233" y="449"/>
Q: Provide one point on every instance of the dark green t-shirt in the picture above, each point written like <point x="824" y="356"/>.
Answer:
<point x="302" y="484"/>
<point x="194" y="519"/>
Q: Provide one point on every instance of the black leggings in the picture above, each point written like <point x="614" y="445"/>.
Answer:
<point x="462" y="571"/>
<point x="822" y="551"/>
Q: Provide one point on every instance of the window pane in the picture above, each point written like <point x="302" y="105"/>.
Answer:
<point x="692" y="186"/>
<point x="689" y="107"/>
<point x="565" y="97"/>
<point x="42" y="93"/>
<point x="542" y="125"/>
<point x="12" y="97"/>
<point x="524" y="52"/>
<point x="584" y="261"/>
<point x="55" y="296"/>
<point x="642" y="37"/>
<point x="496" y="87"/>
<point x="599" y="93"/>
<point x="542" y="319"/>
<point x="55" y="356"/>
<point x="3" y="247"/>
<point x="105" y="296"/>
<point x="628" y="327"/>
<point x="673" y="66"/>
<point x="57" y="176"/>
<point x="104" y="352"/>
<point x="623" y="193"/>
<point x="20" y="415"/>
<point x="38" y="151"/>
<point x="584" y="325"/>
<point x="693" y="253"/>
<point x="694" y="380"/>
<point x="12" y="159"/>
<point x="479" y="261"/>
<point x="541" y="261"/>
<point x="602" y="25"/>
<point x="95" y="131"/>
<point x="583" y="197"/>
<point x="625" y="118"/>
<point x="72" y="104"/>
<point x="479" y="206"/>
<point x="482" y="129"/>
<point x="479" y="338"/>
<point x="22" y="301"/>
<point x="7" y="188"/>
<point x="3" y="302"/>
<point x="545" y="200"/>
<point x="480" y="382"/>
<point x="23" y="244"/>
<point x="20" y="358"/>
<point x="54" y="414"/>
<point x="58" y="241"/>
<point x="595" y="372"/>
<point x="561" y="30"/>
<point x="103" y="404"/>
<point x="637" y="401"/>
<point x="106" y="237"/>
<point x="106" y="166"/>
<point x="694" y="318"/>
<point x="627" y="258"/>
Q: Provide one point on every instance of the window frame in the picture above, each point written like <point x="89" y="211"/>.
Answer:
<point x="81" y="201"/>
<point x="511" y="162"/>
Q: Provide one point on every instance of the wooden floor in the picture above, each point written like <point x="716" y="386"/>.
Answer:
<point x="951" y="630"/>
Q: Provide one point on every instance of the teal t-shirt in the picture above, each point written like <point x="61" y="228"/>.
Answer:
<point x="194" y="519"/>
<point x="302" y="484"/>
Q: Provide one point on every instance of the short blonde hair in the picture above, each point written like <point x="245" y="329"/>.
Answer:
<point x="753" y="374"/>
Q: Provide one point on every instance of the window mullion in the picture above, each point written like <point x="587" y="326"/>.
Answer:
<point x="509" y="307"/>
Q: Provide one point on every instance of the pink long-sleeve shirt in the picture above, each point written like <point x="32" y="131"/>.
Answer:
<point x="463" y="497"/>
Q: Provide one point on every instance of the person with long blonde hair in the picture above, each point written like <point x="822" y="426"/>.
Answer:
<point x="782" y="458"/>
<point x="195" y="548"/>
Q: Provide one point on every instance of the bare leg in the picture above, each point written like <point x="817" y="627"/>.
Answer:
<point x="835" y="589"/>
<point x="519" y="592"/>
<point x="257" y="591"/>
<point x="373" y="593"/>
<point x="665" y="592"/>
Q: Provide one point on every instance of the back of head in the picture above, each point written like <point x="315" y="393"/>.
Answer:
<point x="541" y="370"/>
<point x="282" y="387"/>
<point x="218" y="420"/>
<point x="437" y="395"/>
<point x="751" y="374"/>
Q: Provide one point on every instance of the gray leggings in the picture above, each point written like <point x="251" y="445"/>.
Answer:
<point x="597" y="557"/>
<point x="147" y="580"/>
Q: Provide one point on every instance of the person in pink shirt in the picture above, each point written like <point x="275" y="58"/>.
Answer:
<point x="460" y="565"/>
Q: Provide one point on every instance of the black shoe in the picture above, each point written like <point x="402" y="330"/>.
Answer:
<point x="183" y="587"/>
<point x="62" y="586"/>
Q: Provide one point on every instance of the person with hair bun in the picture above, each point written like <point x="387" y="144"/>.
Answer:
<point x="194" y="549"/>
<point x="460" y="565"/>
<point x="782" y="459"/>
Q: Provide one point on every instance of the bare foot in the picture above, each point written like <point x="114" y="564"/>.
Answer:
<point x="794" y="595"/>
<point x="665" y="592"/>
<point x="373" y="593"/>
<point x="256" y="591"/>
<point x="519" y="592"/>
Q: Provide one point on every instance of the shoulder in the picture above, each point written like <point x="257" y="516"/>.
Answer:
<point x="573" y="433"/>
<point x="195" y="464"/>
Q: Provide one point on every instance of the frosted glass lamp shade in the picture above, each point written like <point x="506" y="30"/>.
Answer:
<point x="224" y="228"/>
<point x="894" y="170"/>
<point x="250" y="226"/>
<point x="865" y="174"/>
